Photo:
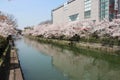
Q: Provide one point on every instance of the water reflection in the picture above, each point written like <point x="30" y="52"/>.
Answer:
<point x="78" y="67"/>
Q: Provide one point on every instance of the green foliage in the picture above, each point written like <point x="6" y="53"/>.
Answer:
<point x="41" y="36"/>
<point x="105" y="41"/>
<point x="75" y="38"/>
<point x="118" y="42"/>
<point x="117" y="52"/>
<point x="112" y="59"/>
<point x="62" y="37"/>
<point x="111" y="42"/>
<point x="108" y="42"/>
<point x="2" y="40"/>
<point x="53" y="37"/>
<point x="94" y="35"/>
<point x="83" y="39"/>
<point x="3" y="44"/>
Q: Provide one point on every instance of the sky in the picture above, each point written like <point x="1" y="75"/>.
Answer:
<point x="30" y="12"/>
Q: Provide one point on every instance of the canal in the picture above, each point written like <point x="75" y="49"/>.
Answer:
<point x="47" y="62"/>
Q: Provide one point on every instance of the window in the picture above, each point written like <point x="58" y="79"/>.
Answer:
<point x="104" y="9"/>
<point x="87" y="14"/>
<point x="74" y="17"/>
<point x="87" y="11"/>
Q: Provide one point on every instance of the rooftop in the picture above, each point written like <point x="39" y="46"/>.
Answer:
<point x="68" y="2"/>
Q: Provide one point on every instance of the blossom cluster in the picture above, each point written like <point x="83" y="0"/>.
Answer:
<point x="6" y="29"/>
<point x="82" y="28"/>
<point x="7" y="25"/>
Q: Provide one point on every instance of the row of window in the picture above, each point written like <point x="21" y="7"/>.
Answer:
<point x="87" y="11"/>
<point x="87" y="14"/>
<point x="104" y="0"/>
<point x="88" y="6"/>
<point x="87" y="0"/>
<point x="74" y="17"/>
<point x="104" y="10"/>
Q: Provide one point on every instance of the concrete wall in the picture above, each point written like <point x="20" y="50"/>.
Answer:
<point x="61" y="15"/>
<point x="95" y="10"/>
<point x="58" y="16"/>
<point x="118" y="6"/>
<point x="74" y="8"/>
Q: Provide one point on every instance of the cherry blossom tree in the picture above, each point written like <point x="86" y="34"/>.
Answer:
<point x="7" y="24"/>
<point x="82" y="28"/>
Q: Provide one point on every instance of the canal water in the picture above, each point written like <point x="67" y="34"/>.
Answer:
<point x="47" y="62"/>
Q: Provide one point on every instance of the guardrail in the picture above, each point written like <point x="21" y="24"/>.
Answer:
<point x="4" y="62"/>
<point x="4" y="55"/>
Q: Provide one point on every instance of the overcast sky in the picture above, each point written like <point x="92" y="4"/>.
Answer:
<point x="29" y="12"/>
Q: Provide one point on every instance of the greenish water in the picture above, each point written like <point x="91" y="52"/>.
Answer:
<point x="41" y="61"/>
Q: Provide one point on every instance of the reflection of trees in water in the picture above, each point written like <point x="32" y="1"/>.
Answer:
<point x="84" y="69"/>
<point x="44" y="48"/>
<point x="78" y="67"/>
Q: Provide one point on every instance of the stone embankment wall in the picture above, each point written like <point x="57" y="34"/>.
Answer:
<point x="10" y="68"/>
<point x="87" y="45"/>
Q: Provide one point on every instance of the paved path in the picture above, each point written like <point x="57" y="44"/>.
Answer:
<point x="15" y="70"/>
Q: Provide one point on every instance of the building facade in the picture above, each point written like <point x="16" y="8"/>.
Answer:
<point x="85" y="10"/>
<point x="118" y="8"/>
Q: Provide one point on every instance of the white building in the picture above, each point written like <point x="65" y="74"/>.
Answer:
<point x="82" y="10"/>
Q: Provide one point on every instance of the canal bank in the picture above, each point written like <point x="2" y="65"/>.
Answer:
<point x="35" y="64"/>
<point x="78" y="49"/>
<point x="10" y="68"/>
<point x="4" y="64"/>
<point x="115" y="50"/>
<point x="15" y="67"/>
<point x="43" y="61"/>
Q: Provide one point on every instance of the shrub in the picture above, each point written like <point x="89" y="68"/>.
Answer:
<point x="105" y="41"/>
<point x="75" y="38"/>
<point x="3" y="44"/>
<point x="111" y="42"/>
<point x="62" y="37"/>
<point x="117" y="52"/>
<point x="118" y="42"/>
<point x="94" y="35"/>
<point x="41" y="36"/>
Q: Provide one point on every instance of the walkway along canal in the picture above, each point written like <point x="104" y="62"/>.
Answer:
<point x="10" y="68"/>
<point x="41" y="61"/>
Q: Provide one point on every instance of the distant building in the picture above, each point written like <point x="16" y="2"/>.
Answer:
<point x="119" y="8"/>
<point x="28" y="28"/>
<point x="82" y="10"/>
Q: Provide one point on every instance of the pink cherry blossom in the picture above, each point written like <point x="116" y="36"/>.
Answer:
<point x="82" y="28"/>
